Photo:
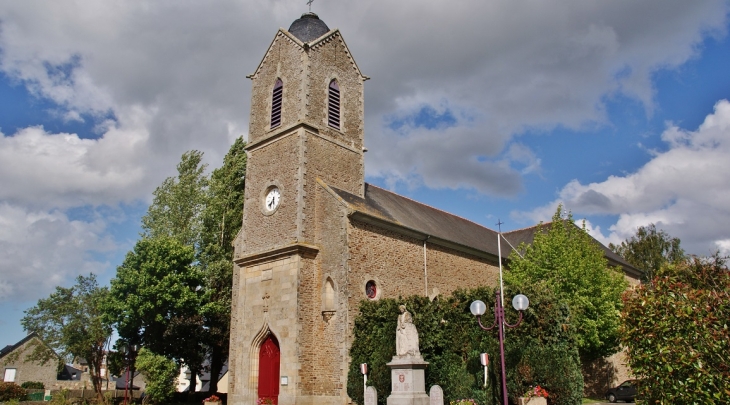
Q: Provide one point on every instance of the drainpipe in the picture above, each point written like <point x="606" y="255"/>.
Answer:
<point x="425" y="267"/>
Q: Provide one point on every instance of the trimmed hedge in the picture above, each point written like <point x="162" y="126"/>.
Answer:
<point x="32" y="385"/>
<point x="541" y="351"/>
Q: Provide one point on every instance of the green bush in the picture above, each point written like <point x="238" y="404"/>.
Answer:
<point x="10" y="391"/>
<point x="32" y="385"/>
<point x="451" y="341"/>
<point x="160" y="373"/>
<point x="677" y="335"/>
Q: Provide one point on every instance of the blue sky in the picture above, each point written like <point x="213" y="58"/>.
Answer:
<point x="489" y="110"/>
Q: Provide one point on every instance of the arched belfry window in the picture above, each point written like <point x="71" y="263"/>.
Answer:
<point x="276" y="104"/>
<point x="333" y="116"/>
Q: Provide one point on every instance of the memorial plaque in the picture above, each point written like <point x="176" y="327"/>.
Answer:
<point x="403" y="381"/>
<point x="436" y="395"/>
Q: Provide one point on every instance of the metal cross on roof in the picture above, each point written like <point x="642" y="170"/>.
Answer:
<point x="309" y="3"/>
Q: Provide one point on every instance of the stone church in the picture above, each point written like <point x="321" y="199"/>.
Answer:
<point x="316" y="239"/>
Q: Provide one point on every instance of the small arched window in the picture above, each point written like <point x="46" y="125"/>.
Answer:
<point x="276" y="104"/>
<point x="333" y="108"/>
<point x="329" y="295"/>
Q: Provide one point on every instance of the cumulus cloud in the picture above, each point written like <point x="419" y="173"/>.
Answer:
<point x="41" y="250"/>
<point x="511" y="65"/>
<point x="159" y="78"/>
<point x="683" y="190"/>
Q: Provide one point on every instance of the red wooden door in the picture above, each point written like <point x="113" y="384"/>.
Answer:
<point x="269" y="358"/>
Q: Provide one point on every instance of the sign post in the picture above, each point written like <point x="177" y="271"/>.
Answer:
<point x="484" y="358"/>
<point x="364" y="371"/>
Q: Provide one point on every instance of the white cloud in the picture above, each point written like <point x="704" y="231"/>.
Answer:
<point x="62" y="170"/>
<point x="160" y="78"/>
<point x="512" y="65"/>
<point x="41" y="250"/>
<point x="684" y="190"/>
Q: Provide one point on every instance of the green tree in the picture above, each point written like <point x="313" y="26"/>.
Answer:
<point x="176" y="209"/>
<point x="677" y="333"/>
<point x="160" y="373"/>
<point x="155" y="298"/>
<point x="649" y="250"/>
<point x="221" y="222"/>
<point x="573" y="265"/>
<point x="71" y="322"/>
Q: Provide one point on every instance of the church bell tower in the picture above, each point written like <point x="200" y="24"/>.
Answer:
<point x="306" y="129"/>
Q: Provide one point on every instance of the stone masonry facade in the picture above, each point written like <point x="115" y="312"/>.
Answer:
<point x="301" y="268"/>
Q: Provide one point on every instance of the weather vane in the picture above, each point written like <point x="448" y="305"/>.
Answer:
<point x="499" y="222"/>
<point x="309" y="3"/>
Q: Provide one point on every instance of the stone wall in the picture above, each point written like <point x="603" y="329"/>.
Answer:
<point x="330" y="59"/>
<point x="271" y="165"/>
<point x="396" y="263"/>
<point x="267" y="299"/>
<point x="28" y="370"/>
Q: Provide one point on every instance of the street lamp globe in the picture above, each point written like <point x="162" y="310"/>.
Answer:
<point x="478" y="308"/>
<point x="520" y="302"/>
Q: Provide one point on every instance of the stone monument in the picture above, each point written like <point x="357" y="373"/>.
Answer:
<point x="407" y="368"/>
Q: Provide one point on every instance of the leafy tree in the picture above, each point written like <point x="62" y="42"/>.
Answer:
<point x="176" y="209"/>
<point x="649" y="250"/>
<point x="71" y="322"/>
<point x="677" y="335"/>
<point x="160" y="373"/>
<point x="221" y="222"/>
<point x="155" y="297"/>
<point x="573" y="265"/>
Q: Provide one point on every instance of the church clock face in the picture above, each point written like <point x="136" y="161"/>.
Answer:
<point x="273" y="197"/>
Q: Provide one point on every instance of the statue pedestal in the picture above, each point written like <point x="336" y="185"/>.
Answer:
<point x="408" y="376"/>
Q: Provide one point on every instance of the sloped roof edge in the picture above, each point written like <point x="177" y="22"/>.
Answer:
<point x="527" y="235"/>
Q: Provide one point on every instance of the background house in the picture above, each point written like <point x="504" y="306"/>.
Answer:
<point x="18" y="367"/>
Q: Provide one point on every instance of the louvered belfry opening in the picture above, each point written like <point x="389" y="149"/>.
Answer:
<point x="333" y="118"/>
<point x="276" y="104"/>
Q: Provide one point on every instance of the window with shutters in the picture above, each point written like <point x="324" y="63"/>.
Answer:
<point x="333" y="116"/>
<point x="276" y="104"/>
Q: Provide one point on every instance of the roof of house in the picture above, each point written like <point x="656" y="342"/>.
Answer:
<point x="205" y="376"/>
<point x="391" y="211"/>
<point x="10" y="348"/>
<point x="69" y="373"/>
<point x="527" y="235"/>
<point x="430" y="222"/>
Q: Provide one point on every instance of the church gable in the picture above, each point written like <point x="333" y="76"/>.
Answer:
<point x="315" y="82"/>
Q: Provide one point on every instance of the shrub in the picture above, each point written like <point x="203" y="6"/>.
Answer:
<point x="11" y="391"/>
<point x="160" y="373"/>
<point x="32" y="385"/>
<point x="677" y="336"/>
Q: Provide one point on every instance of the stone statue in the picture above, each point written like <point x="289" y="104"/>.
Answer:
<point x="406" y="335"/>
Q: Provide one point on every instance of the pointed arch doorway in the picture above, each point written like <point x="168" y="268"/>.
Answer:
<point x="269" y="361"/>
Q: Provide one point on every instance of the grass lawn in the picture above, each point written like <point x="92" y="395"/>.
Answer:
<point x="591" y="401"/>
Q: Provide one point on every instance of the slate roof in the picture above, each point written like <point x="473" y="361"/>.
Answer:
<point x="9" y="348"/>
<point x="69" y="373"/>
<point x="390" y="210"/>
<point x="308" y="28"/>
<point x="390" y="207"/>
<point x="527" y="235"/>
<point x="205" y="376"/>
